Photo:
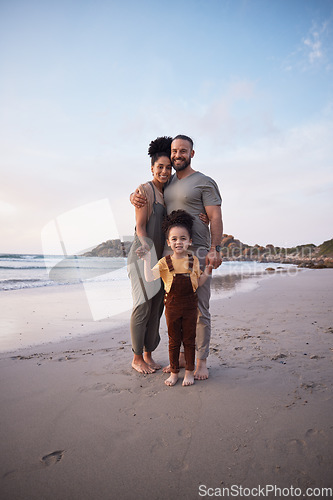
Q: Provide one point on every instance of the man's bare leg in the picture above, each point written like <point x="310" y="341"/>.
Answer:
<point x="201" y="371"/>
<point x="166" y="369"/>
<point x="140" y="365"/>
<point x="150" y="362"/>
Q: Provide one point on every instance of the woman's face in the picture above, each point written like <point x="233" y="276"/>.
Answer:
<point x="162" y="169"/>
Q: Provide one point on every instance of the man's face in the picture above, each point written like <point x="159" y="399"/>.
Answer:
<point x="181" y="154"/>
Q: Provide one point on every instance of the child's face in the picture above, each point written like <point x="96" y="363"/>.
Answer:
<point x="179" y="240"/>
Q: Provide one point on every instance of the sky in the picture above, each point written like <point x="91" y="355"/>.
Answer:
<point x="86" y="85"/>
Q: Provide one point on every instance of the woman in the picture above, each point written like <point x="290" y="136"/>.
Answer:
<point x="148" y="297"/>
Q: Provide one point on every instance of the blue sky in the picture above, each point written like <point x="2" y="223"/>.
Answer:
<point x="86" y="85"/>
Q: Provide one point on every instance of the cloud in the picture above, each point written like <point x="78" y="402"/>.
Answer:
<point x="267" y="176"/>
<point x="313" y="51"/>
<point x="302" y="155"/>
<point x="218" y="119"/>
<point x="314" y="45"/>
<point x="277" y="184"/>
<point x="7" y="208"/>
<point x="280" y="188"/>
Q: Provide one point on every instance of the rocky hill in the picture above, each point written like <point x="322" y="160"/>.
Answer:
<point x="110" y="248"/>
<point x="308" y="255"/>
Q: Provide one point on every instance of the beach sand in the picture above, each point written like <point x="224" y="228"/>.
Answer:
<point x="77" y="422"/>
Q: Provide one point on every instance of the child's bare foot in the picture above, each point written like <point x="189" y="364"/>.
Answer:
<point x="140" y="365"/>
<point x="167" y="369"/>
<point x="172" y="379"/>
<point x="188" y="378"/>
<point x="201" y="372"/>
<point x="150" y="362"/>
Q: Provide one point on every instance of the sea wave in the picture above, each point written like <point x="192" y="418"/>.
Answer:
<point x="16" y="256"/>
<point x="43" y="267"/>
<point x="23" y="267"/>
<point x="30" y="271"/>
<point x="17" y="284"/>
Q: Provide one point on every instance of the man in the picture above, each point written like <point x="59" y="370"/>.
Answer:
<point x="196" y="193"/>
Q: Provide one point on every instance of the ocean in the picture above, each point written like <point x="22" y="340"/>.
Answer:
<point x="89" y="288"/>
<point x="20" y="271"/>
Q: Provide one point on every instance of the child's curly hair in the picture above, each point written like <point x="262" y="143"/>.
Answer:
<point x="178" y="218"/>
<point x="160" y="147"/>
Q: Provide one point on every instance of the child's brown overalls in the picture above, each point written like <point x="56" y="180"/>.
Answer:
<point x="181" y="311"/>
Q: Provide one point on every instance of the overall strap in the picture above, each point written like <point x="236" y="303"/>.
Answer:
<point x="169" y="262"/>
<point x="152" y="185"/>
<point x="190" y="261"/>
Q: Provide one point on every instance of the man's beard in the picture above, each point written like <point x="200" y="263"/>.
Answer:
<point x="179" y="168"/>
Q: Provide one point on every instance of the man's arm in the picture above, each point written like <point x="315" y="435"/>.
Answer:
<point x="214" y="213"/>
<point x="137" y="199"/>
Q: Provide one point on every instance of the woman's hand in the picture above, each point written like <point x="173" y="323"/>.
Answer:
<point x="204" y="218"/>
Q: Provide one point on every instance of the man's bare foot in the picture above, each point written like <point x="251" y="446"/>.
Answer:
<point x="167" y="369"/>
<point x="188" y="378"/>
<point x="201" y="371"/>
<point x="150" y="362"/>
<point x="140" y="365"/>
<point x="172" y="379"/>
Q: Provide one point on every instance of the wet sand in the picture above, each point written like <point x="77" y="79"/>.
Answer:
<point x="78" y="422"/>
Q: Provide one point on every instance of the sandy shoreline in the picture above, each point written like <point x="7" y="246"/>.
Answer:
<point x="37" y="316"/>
<point x="78" y="422"/>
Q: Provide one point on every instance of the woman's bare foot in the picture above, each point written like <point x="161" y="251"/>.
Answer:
<point x="150" y="362"/>
<point x="188" y="378"/>
<point x="140" y="365"/>
<point x="167" y="369"/>
<point x="172" y="379"/>
<point x="201" y="371"/>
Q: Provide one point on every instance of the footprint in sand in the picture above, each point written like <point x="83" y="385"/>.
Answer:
<point x="177" y="465"/>
<point x="314" y="433"/>
<point x="184" y="433"/>
<point x="297" y="444"/>
<point x="52" y="458"/>
<point x="159" y="444"/>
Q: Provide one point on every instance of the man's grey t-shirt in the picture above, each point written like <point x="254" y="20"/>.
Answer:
<point x="193" y="194"/>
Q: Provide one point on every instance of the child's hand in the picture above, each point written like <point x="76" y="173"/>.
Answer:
<point x="142" y="251"/>
<point x="147" y="257"/>
<point x="205" y="274"/>
<point x="208" y="269"/>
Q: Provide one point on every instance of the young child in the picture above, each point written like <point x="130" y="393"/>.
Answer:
<point x="181" y="275"/>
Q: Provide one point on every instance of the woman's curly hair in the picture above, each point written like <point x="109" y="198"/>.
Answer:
<point x="178" y="218"/>
<point x="160" y="147"/>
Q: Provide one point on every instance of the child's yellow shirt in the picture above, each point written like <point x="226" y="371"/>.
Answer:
<point x="180" y="266"/>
